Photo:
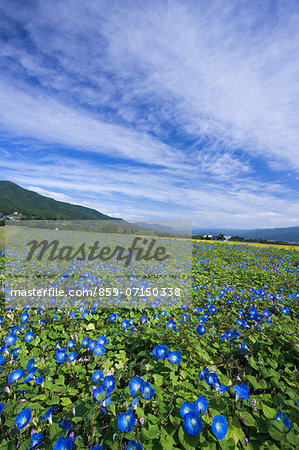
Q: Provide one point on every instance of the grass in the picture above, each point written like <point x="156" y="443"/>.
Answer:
<point x="254" y="244"/>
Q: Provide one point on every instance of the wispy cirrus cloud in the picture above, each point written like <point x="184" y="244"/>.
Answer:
<point x="49" y="120"/>
<point x="247" y="201"/>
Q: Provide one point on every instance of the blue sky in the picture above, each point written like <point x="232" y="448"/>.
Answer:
<point x="175" y="110"/>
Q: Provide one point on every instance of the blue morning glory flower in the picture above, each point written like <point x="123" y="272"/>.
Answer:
<point x="39" y="380"/>
<point x="97" y="447"/>
<point x="186" y="408"/>
<point x="85" y="314"/>
<point x="2" y="360"/>
<point x="219" y="426"/>
<point x="29" y="337"/>
<point x="133" y="445"/>
<point x="284" y="419"/>
<point x="91" y="344"/>
<point x="160" y="351"/>
<point x="213" y="309"/>
<point x="266" y="313"/>
<point x="30" y="375"/>
<point x="99" y="350"/>
<point x="148" y="391"/>
<point x="143" y="319"/>
<point x="61" y="355"/>
<point x="10" y="339"/>
<point x="15" y="375"/>
<point x="36" y="440"/>
<point x="71" y="344"/>
<point x="201" y="405"/>
<point x="56" y="345"/>
<point x="241" y="391"/>
<point x="171" y="324"/>
<point x="66" y="425"/>
<point x="201" y="329"/>
<point x="125" y="324"/>
<point x="126" y="421"/>
<point x="212" y="379"/>
<point x="192" y="423"/>
<point x="30" y="365"/>
<point x="109" y="384"/>
<point x="85" y="342"/>
<point x="222" y="388"/>
<point x="64" y="443"/>
<point x="203" y="374"/>
<point x="23" y="418"/>
<point x="102" y="340"/>
<point x="113" y="317"/>
<point x="97" y="376"/>
<point x="2" y="406"/>
<point x="244" y="346"/>
<point x="175" y="357"/>
<point x="24" y="317"/>
<point x="96" y="392"/>
<point x="133" y="405"/>
<point x="228" y="334"/>
<point x="13" y="329"/>
<point x="105" y="403"/>
<point x="72" y="356"/>
<point x="135" y="385"/>
<point x="48" y="415"/>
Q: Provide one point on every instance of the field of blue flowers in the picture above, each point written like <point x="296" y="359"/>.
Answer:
<point x="222" y="374"/>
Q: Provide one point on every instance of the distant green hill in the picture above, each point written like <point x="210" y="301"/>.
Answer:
<point x="36" y="206"/>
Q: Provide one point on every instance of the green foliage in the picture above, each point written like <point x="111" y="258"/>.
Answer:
<point x="14" y="198"/>
<point x="268" y="364"/>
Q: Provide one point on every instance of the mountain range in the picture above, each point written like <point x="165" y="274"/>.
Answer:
<point x="14" y="198"/>
<point x="30" y="205"/>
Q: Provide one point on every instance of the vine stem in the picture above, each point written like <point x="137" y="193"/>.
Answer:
<point x="159" y="423"/>
<point x="82" y="420"/>
<point x="91" y="436"/>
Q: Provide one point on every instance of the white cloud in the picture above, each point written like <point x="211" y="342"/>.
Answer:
<point x="142" y="194"/>
<point x="46" y="119"/>
<point x="56" y="195"/>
